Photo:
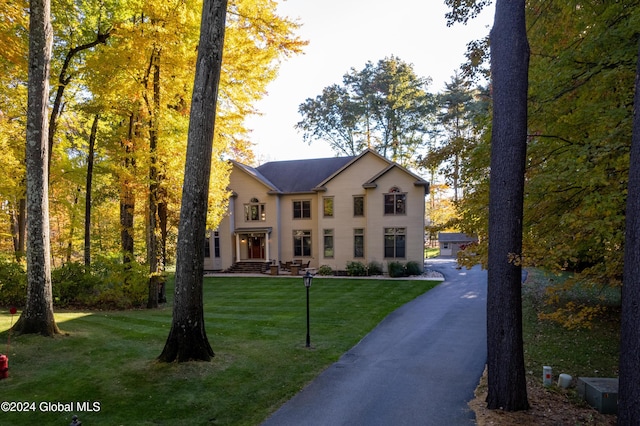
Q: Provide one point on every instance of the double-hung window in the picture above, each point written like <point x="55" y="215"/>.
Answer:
<point x="395" y="241"/>
<point x="358" y="205"/>
<point x="216" y="245"/>
<point x="328" y="243"/>
<point x="302" y="243"/>
<point x="358" y="243"/>
<point x="395" y="202"/>
<point x="327" y="206"/>
<point x="207" y="247"/>
<point x="302" y="209"/>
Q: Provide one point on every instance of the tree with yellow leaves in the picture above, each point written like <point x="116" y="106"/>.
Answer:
<point x="139" y="80"/>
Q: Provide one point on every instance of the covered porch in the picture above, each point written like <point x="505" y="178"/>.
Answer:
<point x="252" y="244"/>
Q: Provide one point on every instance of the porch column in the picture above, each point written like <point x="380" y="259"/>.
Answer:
<point x="237" y="247"/>
<point x="266" y="243"/>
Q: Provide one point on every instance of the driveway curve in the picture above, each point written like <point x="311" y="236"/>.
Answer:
<point x="419" y="366"/>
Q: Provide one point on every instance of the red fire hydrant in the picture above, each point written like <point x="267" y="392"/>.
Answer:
<point x="4" y="367"/>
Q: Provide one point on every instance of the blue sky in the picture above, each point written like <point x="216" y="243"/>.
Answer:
<point x="346" y="34"/>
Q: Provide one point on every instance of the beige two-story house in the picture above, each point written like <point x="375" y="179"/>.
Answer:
<point x="326" y="211"/>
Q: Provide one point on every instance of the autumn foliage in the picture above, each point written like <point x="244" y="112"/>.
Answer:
<point x="138" y="80"/>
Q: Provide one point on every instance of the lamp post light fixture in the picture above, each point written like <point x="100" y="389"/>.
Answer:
<point x="307" y="278"/>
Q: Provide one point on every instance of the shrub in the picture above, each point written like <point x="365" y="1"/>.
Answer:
<point x="13" y="283"/>
<point x="356" y="269"/>
<point x="72" y="286"/>
<point x="122" y="285"/>
<point x="375" y="268"/>
<point x="396" y="269"/>
<point x="325" y="270"/>
<point x="109" y="285"/>
<point x="413" y="268"/>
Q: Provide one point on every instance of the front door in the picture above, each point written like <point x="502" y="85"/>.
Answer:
<point x="256" y="248"/>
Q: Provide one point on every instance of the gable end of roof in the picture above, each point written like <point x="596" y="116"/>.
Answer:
<point x="254" y="173"/>
<point x="371" y="183"/>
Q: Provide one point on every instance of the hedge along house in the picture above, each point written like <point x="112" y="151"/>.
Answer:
<point x="326" y="211"/>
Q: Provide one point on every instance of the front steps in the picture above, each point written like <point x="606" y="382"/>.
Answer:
<point x="248" y="268"/>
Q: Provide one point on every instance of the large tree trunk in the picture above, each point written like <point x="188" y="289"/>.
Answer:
<point x="89" y="186"/>
<point x="127" y="197"/>
<point x="187" y="338"/>
<point x="629" y="386"/>
<point x="509" y="70"/>
<point x="152" y="240"/>
<point x="37" y="316"/>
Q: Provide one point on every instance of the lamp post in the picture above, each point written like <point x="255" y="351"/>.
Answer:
<point x="307" y="278"/>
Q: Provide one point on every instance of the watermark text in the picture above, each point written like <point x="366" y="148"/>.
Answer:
<point x="50" y="406"/>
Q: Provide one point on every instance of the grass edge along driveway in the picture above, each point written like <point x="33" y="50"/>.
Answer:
<point x="103" y="368"/>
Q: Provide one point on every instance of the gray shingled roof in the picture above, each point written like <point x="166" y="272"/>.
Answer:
<point x="301" y="175"/>
<point x="255" y="173"/>
<point x="456" y="237"/>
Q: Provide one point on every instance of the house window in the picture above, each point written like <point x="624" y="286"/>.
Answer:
<point x="327" y="203"/>
<point x="216" y="244"/>
<point x="395" y="202"/>
<point x="394" y="242"/>
<point x="207" y="248"/>
<point x="358" y="243"/>
<point x="254" y="211"/>
<point x="358" y="205"/>
<point x="328" y="243"/>
<point x="302" y="243"/>
<point x="302" y="209"/>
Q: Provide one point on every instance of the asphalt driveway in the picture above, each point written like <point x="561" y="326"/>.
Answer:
<point x="419" y="366"/>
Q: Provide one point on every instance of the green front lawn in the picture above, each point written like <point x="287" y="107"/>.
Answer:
<point x="105" y="361"/>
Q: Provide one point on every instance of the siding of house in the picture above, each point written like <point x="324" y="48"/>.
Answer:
<point x="344" y="187"/>
<point x="412" y="221"/>
<point x="289" y="224"/>
<point x="368" y="175"/>
<point x="245" y="190"/>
